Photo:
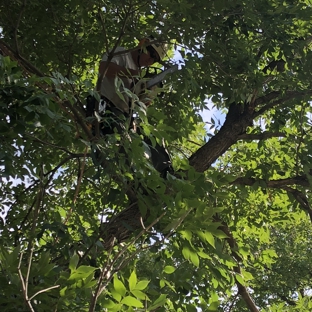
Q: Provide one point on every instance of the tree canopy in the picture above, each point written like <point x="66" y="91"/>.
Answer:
<point x="86" y="227"/>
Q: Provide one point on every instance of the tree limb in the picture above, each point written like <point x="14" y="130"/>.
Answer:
<point x="301" y="199"/>
<point x="26" y="65"/>
<point x="287" y="96"/>
<point x="17" y="26"/>
<point x="298" y="180"/>
<point x="242" y="290"/>
<point x="35" y="139"/>
<point x="261" y="136"/>
<point x="238" y="118"/>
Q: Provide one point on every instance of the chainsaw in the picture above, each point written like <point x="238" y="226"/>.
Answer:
<point x="158" y="78"/>
<point x="149" y="83"/>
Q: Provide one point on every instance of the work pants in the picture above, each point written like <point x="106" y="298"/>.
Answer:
<point x="116" y="119"/>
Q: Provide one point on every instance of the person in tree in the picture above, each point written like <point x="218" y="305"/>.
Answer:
<point x="120" y="73"/>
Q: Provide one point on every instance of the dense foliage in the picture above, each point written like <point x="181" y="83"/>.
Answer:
<point x="87" y="228"/>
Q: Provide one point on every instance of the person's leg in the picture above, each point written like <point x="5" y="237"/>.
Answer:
<point x="160" y="158"/>
<point x="111" y="116"/>
<point x="113" y="119"/>
<point x="159" y="155"/>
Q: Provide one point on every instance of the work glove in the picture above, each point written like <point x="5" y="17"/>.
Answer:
<point x="145" y="95"/>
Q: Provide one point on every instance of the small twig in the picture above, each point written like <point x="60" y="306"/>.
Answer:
<point x="80" y="176"/>
<point x="126" y="261"/>
<point x="123" y="250"/>
<point x="35" y="139"/>
<point x="17" y="26"/>
<point x="242" y="290"/>
<point x="64" y="161"/>
<point x="20" y="272"/>
<point x="101" y="278"/>
<point x="24" y="284"/>
<point x="104" y="28"/>
<point x="142" y="223"/>
<point x="181" y="151"/>
<point x="102" y="287"/>
<point x="232" y="304"/>
<point x="28" y="269"/>
<point x="30" y="242"/>
<point x="80" y="120"/>
<point x="193" y="142"/>
<point x="43" y="290"/>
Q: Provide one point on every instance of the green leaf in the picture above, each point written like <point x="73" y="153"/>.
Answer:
<point x="218" y="233"/>
<point x="213" y="306"/>
<point x="240" y="279"/>
<point x="132" y="302"/>
<point x="132" y="280"/>
<point x="116" y="295"/>
<point x="194" y="259"/>
<point x="247" y="275"/>
<point x="210" y="239"/>
<point x="119" y="286"/>
<point x="141" y="285"/>
<point x="161" y="300"/>
<point x="82" y="272"/>
<point x="73" y="262"/>
<point x="186" y="252"/>
<point x="63" y="291"/>
<point x="169" y="269"/>
<point x="139" y="294"/>
<point x="107" y="303"/>
<point x="187" y="235"/>
<point x="85" y="269"/>
<point x="203" y="255"/>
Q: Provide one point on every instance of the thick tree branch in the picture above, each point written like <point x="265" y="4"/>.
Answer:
<point x="25" y="65"/>
<point x="261" y="136"/>
<point x="301" y="199"/>
<point x="238" y="118"/>
<point x="272" y="100"/>
<point x="298" y="180"/>
<point x="284" y="184"/>
<point x="80" y="120"/>
<point x="267" y="98"/>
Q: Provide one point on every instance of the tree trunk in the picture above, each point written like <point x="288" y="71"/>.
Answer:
<point x="239" y="117"/>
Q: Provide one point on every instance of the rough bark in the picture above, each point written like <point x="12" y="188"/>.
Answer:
<point x="121" y="227"/>
<point x="239" y="117"/>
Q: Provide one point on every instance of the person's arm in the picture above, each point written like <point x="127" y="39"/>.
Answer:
<point x="114" y="70"/>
